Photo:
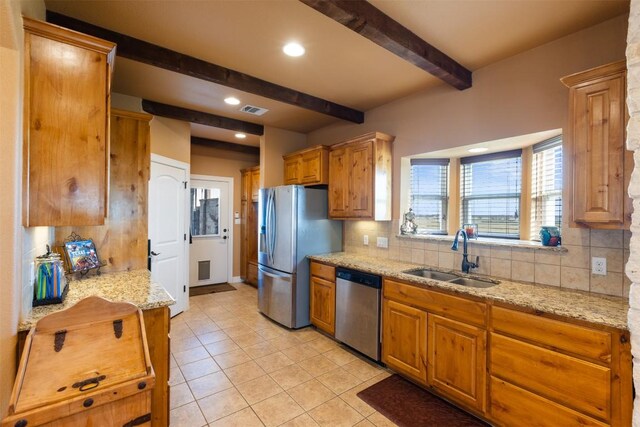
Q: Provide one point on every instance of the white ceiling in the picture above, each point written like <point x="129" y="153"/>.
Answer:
<point x="340" y="65"/>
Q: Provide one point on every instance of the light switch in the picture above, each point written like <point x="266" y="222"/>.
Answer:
<point x="365" y="240"/>
<point x="382" y="242"/>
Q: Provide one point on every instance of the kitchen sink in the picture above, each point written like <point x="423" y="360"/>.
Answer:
<point x="451" y="278"/>
<point x="432" y="274"/>
<point x="472" y="283"/>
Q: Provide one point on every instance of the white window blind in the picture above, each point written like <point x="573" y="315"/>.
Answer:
<point x="546" y="185"/>
<point x="428" y="195"/>
<point x="490" y="188"/>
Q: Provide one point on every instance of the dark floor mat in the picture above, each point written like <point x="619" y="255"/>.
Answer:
<point x="408" y="405"/>
<point x="209" y="289"/>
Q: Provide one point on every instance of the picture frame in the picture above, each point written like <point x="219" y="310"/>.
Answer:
<point x="81" y="255"/>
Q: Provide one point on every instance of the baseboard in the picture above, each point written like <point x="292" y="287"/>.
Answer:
<point x="236" y="279"/>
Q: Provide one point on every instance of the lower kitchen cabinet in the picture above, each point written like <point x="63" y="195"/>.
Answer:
<point x="457" y="361"/>
<point x="323" y="297"/>
<point x="404" y="339"/>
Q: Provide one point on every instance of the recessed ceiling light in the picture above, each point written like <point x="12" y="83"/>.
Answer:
<point x="241" y="135"/>
<point x="232" y="101"/>
<point x="478" y="150"/>
<point x="293" y="49"/>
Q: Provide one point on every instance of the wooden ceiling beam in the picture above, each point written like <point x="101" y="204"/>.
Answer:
<point x="223" y="145"/>
<point x="370" y="22"/>
<point x="158" y="56"/>
<point x="207" y="119"/>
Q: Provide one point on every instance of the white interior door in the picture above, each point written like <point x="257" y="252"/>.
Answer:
<point x="168" y="228"/>
<point x="210" y="252"/>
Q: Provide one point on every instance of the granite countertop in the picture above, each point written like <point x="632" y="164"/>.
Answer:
<point x="135" y="287"/>
<point x="594" y="308"/>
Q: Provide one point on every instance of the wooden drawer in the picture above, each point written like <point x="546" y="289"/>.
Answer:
<point x="436" y="302"/>
<point x="559" y="335"/>
<point x="580" y="385"/>
<point x="324" y="271"/>
<point x="514" y="406"/>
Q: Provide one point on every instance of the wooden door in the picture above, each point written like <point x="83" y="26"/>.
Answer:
<point x="404" y="339"/>
<point x="311" y="167"/>
<point x="361" y="180"/>
<point x="292" y="170"/>
<point x="255" y="184"/>
<point x="338" y="183"/>
<point x="323" y="304"/>
<point x="599" y="116"/>
<point x="457" y="361"/>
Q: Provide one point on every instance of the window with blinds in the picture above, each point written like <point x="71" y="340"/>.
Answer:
<point x="428" y="195"/>
<point x="490" y="188"/>
<point x="546" y="185"/>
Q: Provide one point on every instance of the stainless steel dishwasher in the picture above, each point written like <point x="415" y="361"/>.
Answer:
<point x="358" y="311"/>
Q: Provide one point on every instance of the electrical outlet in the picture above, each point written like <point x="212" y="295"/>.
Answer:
<point x="382" y="242"/>
<point x="599" y="266"/>
<point x="365" y="240"/>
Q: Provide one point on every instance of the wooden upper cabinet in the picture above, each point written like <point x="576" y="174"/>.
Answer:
<point x="307" y="167"/>
<point x="598" y="166"/>
<point x="255" y="183"/>
<point x="66" y="126"/>
<point x="292" y="169"/>
<point x="360" y="178"/>
<point x="245" y="185"/>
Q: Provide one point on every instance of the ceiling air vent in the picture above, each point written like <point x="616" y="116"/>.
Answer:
<point x="251" y="109"/>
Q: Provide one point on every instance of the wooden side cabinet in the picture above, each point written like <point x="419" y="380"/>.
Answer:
<point x="307" y="167"/>
<point x="457" y="361"/>
<point x="250" y="186"/>
<point x="404" y="339"/>
<point x="66" y="126"/>
<point x="598" y="166"/>
<point x="360" y="178"/>
<point x="323" y="297"/>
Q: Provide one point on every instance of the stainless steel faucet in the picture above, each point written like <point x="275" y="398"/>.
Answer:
<point x="466" y="264"/>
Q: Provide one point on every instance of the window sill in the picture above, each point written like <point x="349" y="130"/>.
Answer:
<point x="486" y="241"/>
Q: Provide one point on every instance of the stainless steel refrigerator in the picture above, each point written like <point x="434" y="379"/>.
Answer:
<point x="292" y="223"/>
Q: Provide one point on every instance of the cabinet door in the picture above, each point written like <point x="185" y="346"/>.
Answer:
<point x="255" y="184"/>
<point x="243" y="239"/>
<point x="292" y="170"/>
<point x="361" y="180"/>
<point x="338" y="183"/>
<point x="246" y="186"/>
<point x="404" y="339"/>
<point x="323" y="304"/>
<point x="599" y="153"/>
<point x="66" y="134"/>
<point x="312" y="165"/>
<point x="457" y="361"/>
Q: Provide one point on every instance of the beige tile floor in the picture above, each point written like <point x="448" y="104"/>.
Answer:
<point x="231" y="366"/>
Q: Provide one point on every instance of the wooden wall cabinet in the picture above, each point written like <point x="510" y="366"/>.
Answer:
<point x="122" y="240"/>
<point x="66" y="126"/>
<point x="322" y="295"/>
<point x="360" y="178"/>
<point x="598" y="166"/>
<point x="250" y="186"/>
<point x="307" y="167"/>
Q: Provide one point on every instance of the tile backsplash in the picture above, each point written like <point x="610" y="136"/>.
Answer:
<point x="34" y="241"/>
<point x="568" y="269"/>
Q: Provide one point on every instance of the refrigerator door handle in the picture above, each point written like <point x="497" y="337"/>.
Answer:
<point x="267" y="225"/>
<point x="272" y="234"/>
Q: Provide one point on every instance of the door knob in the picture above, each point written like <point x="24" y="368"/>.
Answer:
<point x="154" y="253"/>
<point x="225" y="230"/>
